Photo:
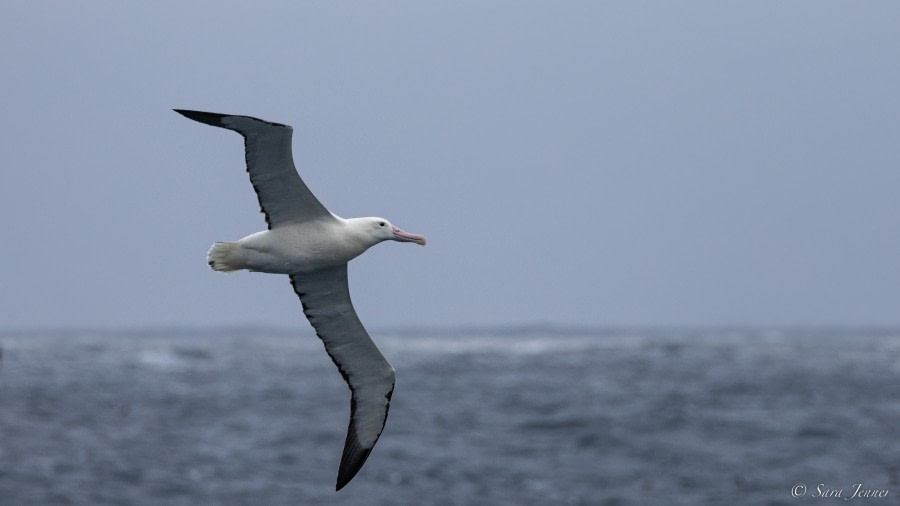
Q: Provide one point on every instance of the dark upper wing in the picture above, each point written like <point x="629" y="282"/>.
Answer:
<point x="283" y="196"/>
<point x="325" y="296"/>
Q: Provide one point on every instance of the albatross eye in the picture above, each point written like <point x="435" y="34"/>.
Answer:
<point x="380" y="223"/>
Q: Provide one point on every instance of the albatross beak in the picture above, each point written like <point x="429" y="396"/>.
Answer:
<point x="404" y="236"/>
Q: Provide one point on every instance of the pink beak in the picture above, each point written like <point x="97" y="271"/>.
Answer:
<point x="404" y="236"/>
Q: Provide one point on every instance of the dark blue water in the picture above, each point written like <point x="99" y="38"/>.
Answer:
<point x="532" y="417"/>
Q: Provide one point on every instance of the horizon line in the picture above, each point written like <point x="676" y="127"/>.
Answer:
<point x="461" y="329"/>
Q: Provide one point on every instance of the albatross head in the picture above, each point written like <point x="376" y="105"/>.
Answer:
<point x="380" y="229"/>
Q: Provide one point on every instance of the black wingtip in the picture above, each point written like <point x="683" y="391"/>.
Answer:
<point x="353" y="458"/>
<point x="210" y="118"/>
<point x="215" y="119"/>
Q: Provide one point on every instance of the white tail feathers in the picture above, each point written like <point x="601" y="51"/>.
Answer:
<point x="225" y="257"/>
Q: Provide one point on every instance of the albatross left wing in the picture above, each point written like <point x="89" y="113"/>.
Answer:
<point x="283" y="196"/>
<point x="325" y="296"/>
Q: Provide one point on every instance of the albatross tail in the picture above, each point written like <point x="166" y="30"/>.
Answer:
<point x="225" y="257"/>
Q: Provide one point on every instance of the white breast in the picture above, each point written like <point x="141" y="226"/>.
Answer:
<point x="300" y="248"/>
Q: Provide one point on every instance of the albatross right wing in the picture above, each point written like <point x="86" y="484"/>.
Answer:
<point x="325" y="296"/>
<point x="283" y="196"/>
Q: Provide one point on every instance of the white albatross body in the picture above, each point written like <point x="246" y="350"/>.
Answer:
<point x="313" y="246"/>
<point x="303" y="247"/>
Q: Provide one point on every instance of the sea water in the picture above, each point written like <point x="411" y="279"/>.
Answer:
<point x="503" y="417"/>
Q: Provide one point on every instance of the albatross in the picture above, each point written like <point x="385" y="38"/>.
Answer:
<point x="312" y="246"/>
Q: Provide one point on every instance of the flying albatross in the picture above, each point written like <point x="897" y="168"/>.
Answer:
<point x="312" y="245"/>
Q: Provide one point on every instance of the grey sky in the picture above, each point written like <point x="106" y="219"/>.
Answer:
<point x="584" y="163"/>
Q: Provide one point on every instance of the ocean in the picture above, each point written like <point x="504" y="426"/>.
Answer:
<point x="528" y="416"/>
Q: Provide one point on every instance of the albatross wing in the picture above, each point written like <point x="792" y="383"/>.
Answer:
<point x="325" y="296"/>
<point x="283" y="196"/>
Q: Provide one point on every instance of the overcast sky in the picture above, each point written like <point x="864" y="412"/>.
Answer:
<point x="574" y="163"/>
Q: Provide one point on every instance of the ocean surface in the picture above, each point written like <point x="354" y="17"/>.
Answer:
<point x="513" y="417"/>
